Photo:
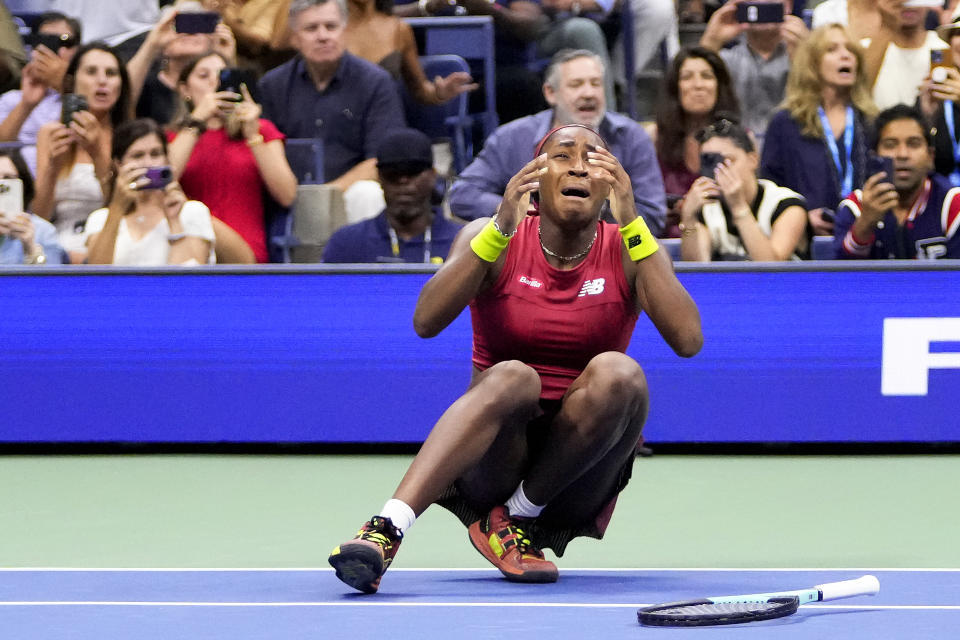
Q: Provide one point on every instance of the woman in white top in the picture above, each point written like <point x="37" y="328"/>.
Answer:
<point x="73" y="160"/>
<point x="730" y="214"/>
<point x="148" y="221"/>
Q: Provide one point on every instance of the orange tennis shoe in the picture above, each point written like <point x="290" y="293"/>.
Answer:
<point x="361" y="562"/>
<point x="502" y="540"/>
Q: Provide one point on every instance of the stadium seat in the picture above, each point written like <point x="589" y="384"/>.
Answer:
<point x="822" y="248"/>
<point x="446" y="121"/>
<point x="317" y="212"/>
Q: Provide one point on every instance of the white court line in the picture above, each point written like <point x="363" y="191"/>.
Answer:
<point x="461" y="569"/>
<point x="556" y="605"/>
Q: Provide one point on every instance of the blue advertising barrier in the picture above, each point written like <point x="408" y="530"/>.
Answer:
<point x="792" y="353"/>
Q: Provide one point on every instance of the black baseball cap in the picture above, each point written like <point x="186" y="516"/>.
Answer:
<point x="405" y="150"/>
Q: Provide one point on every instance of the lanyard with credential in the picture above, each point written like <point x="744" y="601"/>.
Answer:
<point x="395" y="243"/>
<point x="951" y="128"/>
<point x="847" y="176"/>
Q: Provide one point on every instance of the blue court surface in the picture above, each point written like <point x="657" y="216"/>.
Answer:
<point x="451" y="603"/>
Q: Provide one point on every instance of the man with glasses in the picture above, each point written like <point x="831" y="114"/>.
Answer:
<point x="54" y="39"/>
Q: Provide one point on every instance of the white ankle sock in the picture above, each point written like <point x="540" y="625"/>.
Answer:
<point x="399" y="513"/>
<point x="519" y="505"/>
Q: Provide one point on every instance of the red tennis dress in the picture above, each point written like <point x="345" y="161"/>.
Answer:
<point x="553" y="320"/>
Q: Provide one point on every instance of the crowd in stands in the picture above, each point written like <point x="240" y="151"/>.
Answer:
<point x="162" y="131"/>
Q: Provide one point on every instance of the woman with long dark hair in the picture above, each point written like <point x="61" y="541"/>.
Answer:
<point x="697" y="90"/>
<point x="226" y="155"/>
<point x="148" y="220"/>
<point x="73" y="158"/>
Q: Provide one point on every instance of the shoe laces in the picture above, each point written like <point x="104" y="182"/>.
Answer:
<point x="524" y="545"/>
<point x="380" y="531"/>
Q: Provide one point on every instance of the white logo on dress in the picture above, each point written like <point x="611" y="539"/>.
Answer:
<point x="592" y="287"/>
<point x="536" y="284"/>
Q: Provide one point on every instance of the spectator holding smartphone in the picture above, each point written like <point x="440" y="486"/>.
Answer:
<point x="940" y="103"/>
<point x="182" y="33"/>
<point x="73" y="154"/>
<point x="817" y="144"/>
<point x="915" y="213"/>
<point x="760" y="56"/>
<point x="697" y="90"/>
<point x="728" y="214"/>
<point x="37" y="102"/>
<point x="226" y="155"/>
<point x="898" y="58"/>
<point x="148" y="219"/>
<point x="24" y="237"/>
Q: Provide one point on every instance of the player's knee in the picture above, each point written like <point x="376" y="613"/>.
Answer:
<point x="512" y="383"/>
<point x="617" y="376"/>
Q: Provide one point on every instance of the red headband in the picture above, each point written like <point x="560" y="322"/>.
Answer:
<point x="564" y="126"/>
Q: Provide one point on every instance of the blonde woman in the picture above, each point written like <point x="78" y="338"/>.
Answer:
<point x="817" y="145"/>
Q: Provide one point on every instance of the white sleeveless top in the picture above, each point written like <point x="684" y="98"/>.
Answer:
<point x="75" y="197"/>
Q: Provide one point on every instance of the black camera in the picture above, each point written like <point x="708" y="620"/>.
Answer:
<point x="72" y="102"/>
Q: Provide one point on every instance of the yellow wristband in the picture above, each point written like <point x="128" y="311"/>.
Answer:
<point x="640" y="242"/>
<point x="489" y="243"/>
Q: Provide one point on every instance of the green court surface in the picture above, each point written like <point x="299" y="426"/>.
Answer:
<point x="290" y="510"/>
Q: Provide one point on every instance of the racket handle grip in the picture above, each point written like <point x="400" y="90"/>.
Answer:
<point x="865" y="586"/>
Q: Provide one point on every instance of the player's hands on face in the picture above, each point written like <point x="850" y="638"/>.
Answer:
<point x="516" y="197"/>
<point x="879" y="196"/>
<point x="606" y="168"/>
<point x="702" y="190"/>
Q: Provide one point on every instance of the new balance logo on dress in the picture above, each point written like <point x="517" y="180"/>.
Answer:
<point x="592" y="287"/>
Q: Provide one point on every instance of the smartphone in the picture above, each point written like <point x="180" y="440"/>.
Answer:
<point x="940" y="59"/>
<point x="232" y="79"/>
<point x="708" y="164"/>
<point x="759" y="12"/>
<point x="828" y="214"/>
<point x="196" y="21"/>
<point x="877" y="164"/>
<point x="159" y="177"/>
<point x="72" y="102"/>
<point x="51" y="41"/>
<point x="11" y="197"/>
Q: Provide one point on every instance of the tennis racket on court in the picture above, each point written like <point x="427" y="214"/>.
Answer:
<point x="751" y="607"/>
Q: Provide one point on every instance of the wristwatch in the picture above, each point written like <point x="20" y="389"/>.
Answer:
<point x="40" y="258"/>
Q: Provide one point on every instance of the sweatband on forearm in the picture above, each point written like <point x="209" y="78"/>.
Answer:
<point x="638" y="239"/>
<point x="489" y="243"/>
